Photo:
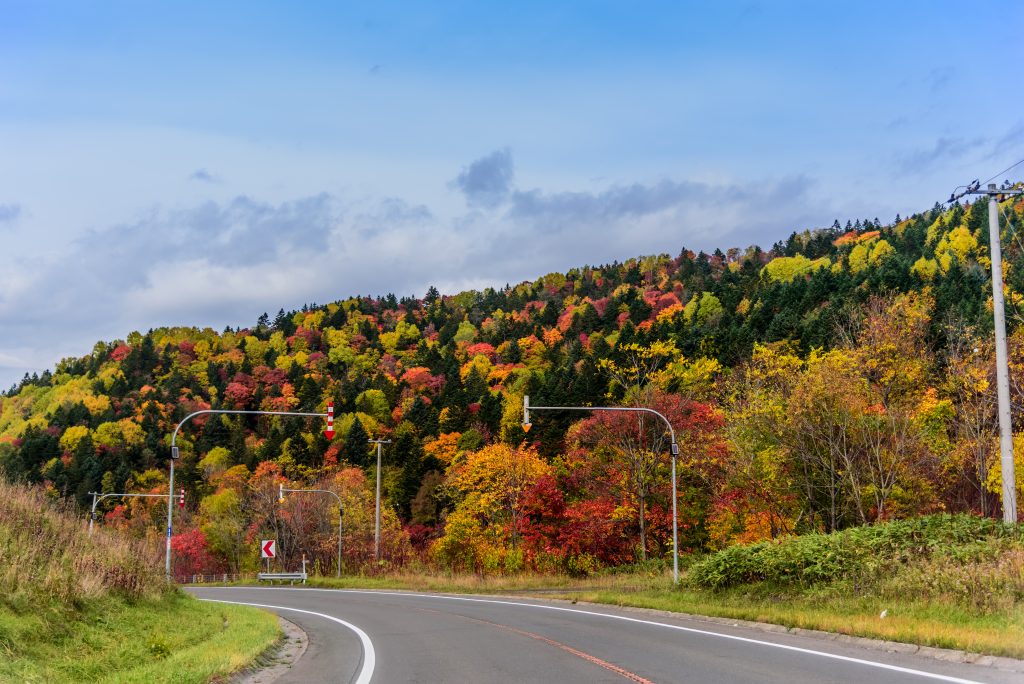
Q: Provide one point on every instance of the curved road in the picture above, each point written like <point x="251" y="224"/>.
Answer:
<point x="396" y="637"/>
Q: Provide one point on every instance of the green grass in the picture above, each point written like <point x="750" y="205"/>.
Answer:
<point x="76" y="607"/>
<point x="172" y="639"/>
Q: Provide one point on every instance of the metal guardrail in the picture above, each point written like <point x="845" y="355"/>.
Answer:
<point x="216" y="578"/>
<point x="283" y="576"/>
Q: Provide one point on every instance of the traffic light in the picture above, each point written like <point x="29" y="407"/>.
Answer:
<point x="280" y="493"/>
<point x="181" y="498"/>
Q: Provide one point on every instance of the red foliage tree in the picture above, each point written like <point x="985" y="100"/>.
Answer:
<point x="192" y="555"/>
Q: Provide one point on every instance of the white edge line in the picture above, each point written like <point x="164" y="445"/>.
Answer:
<point x="369" y="655"/>
<point x="612" y="616"/>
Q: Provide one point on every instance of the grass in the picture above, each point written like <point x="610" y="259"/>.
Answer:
<point x="172" y="639"/>
<point x="75" y="607"/>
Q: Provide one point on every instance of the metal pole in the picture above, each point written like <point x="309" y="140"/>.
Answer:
<point x="92" y="516"/>
<point x="170" y="509"/>
<point x="376" y="527"/>
<point x="675" y="515"/>
<point x="174" y="456"/>
<point x="97" y="497"/>
<point x="376" y="513"/>
<point x="1002" y="369"/>
<point x="341" y="512"/>
<point x="674" y="450"/>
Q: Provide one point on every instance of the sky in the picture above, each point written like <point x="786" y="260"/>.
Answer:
<point x="196" y="163"/>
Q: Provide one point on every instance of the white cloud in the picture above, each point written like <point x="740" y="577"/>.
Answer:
<point x="222" y="263"/>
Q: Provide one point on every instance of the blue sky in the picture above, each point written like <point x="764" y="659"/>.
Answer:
<point x="176" y="163"/>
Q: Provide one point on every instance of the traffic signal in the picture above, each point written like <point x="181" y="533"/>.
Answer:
<point x="280" y="493"/>
<point x="181" y="498"/>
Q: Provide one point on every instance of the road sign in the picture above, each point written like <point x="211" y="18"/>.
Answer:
<point x="329" y="432"/>
<point x="268" y="548"/>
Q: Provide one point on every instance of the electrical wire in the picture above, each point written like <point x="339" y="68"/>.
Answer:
<point x="1003" y="171"/>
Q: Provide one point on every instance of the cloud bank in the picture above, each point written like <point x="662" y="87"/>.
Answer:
<point x="223" y="263"/>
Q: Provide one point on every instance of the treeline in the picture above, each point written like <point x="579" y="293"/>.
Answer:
<point x="841" y="377"/>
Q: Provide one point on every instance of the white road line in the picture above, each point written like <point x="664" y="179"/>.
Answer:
<point x="369" y="655"/>
<point x="623" y="618"/>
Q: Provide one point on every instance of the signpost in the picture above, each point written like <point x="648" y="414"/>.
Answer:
<point x="268" y="550"/>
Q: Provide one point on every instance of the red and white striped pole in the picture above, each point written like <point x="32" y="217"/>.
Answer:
<point x="329" y="432"/>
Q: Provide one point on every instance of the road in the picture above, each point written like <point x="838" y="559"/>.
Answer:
<point x="395" y="637"/>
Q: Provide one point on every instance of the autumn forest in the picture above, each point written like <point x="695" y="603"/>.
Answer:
<point x="841" y="377"/>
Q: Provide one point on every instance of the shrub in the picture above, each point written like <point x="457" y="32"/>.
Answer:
<point x="857" y="553"/>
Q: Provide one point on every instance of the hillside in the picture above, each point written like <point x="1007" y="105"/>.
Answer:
<point x="838" y="378"/>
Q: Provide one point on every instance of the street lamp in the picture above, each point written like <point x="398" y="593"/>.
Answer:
<point x="97" y="497"/>
<point x="341" y="512"/>
<point x="376" y="528"/>
<point x="674" y="451"/>
<point x="174" y="457"/>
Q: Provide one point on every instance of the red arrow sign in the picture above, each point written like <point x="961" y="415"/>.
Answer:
<point x="329" y="432"/>
<point x="268" y="548"/>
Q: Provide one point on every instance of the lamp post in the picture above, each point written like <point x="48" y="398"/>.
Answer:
<point x="341" y="512"/>
<point x="376" y="524"/>
<point x="97" y="497"/>
<point x="174" y="457"/>
<point x="674" y="449"/>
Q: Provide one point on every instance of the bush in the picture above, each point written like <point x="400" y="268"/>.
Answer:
<point x="857" y="553"/>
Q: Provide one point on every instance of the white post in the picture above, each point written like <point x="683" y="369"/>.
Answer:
<point x="376" y="528"/>
<point x="376" y="513"/>
<point x="1002" y="367"/>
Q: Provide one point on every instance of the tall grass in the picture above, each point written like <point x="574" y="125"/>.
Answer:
<point x="77" y="607"/>
<point x="46" y="554"/>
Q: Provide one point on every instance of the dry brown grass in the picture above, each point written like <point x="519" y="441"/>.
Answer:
<point x="46" y="553"/>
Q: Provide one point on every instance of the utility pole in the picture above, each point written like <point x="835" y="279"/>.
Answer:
<point x="1002" y="356"/>
<point x="376" y="527"/>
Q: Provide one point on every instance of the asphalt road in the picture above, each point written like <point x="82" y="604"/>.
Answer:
<point x="396" y="637"/>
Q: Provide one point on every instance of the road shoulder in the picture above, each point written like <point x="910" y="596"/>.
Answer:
<point x="278" y="659"/>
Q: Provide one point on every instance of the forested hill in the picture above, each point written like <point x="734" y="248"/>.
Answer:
<point x="719" y="334"/>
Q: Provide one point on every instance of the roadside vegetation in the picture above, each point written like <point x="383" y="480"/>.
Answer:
<point x="818" y="391"/>
<point x="945" y="581"/>
<point x="76" y="608"/>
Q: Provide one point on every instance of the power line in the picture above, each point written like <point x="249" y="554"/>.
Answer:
<point x="1004" y="171"/>
<point x="973" y="186"/>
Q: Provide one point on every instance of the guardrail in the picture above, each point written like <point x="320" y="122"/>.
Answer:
<point x="216" y="578"/>
<point x="283" y="576"/>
